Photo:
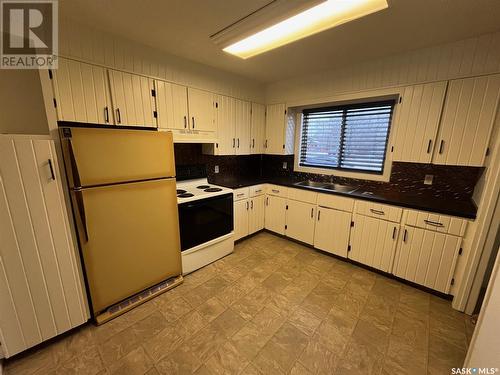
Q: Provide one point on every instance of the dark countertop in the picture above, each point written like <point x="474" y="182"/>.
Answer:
<point x="462" y="208"/>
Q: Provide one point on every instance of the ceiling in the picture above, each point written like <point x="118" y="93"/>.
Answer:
<point x="183" y="27"/>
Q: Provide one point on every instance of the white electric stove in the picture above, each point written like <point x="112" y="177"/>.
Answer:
<point x="205" y="221"/>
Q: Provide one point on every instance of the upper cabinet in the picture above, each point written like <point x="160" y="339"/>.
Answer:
<point x="257" y="128"/>
<point x="201" y="110"/>
<point x="275" y="129"/>
<point x="172" y="105"/>
<point x="133" y="100"/>
<point x="417" y="122"/>
<point x="468" y="116"/>
<point x="243" y="112"/>
<point x="81" y="93"/>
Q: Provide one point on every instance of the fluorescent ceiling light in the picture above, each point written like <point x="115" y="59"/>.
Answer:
<point x="321" y="17"/>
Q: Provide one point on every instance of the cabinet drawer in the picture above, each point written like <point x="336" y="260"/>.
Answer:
<point x="279" y="191"/>
<point x="303" y="195"/>
<point x="336" y="202"/>
<point x="256" y="190"/>
<point x="241" y="193"/>
<point x="436" y="222"/>
<point x="378" y="210"/>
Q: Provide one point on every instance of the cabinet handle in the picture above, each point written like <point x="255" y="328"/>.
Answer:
<point x="434" y="223"/>
<point x="253" y="142"/>
<point x="441" y="146"/>
<point x="267" y="201"/>
<point x="238" y="143"/>
<point x="312" y="213"/>
<point x="251" y="204"/>
<point x="240" y="194"/>
<point x="319" y="214"/>
<point x="429" y="146"/>
<point x="404" y="236"/>
<point x="275" y="191"/>
<point x="394" y="233"/>
<point x="234" y="142"/>
<point x="193" y="121"/>
<point x="377" y="212"/>
<point x="51" y="167"/>
<point x="247" y="205"/>
<point x="258" y="191"/>
<point x="118" y="116"/>
<point x="185" y="122"/>
<point x="265" y="145"/>
<point x="106" y="114"/>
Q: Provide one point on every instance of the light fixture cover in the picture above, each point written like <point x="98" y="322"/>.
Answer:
<point x="321" y="17"/>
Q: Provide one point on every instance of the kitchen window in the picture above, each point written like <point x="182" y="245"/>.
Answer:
<point x="348" y="137"/>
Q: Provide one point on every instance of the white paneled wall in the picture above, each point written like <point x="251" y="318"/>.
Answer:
<point x="83" y="43"/>
<point x="464" y="58"/>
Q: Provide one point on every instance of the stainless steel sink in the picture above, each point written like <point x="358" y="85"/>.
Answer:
<point x="327" y="186"/>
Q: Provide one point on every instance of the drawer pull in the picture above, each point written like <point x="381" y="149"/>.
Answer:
<point x="434" y="223"/>
<point x="240" y="194"/>
<point x="258" y="191"/>
<point x="377" y="212"/>
<point x="275" y="191"/>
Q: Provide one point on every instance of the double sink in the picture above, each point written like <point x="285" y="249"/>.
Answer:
<point x="327" y="186"/>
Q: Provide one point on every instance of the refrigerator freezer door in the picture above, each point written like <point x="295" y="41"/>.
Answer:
<point x="130" y="238"/>
<point x="106" y="156"/>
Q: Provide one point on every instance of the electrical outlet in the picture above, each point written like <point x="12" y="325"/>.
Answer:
<point x="285" y="165"/>
<point x="428" y="179"/>
<point x="216" y="169"/>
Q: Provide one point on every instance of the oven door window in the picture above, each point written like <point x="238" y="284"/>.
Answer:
<point x="205" y="219"/>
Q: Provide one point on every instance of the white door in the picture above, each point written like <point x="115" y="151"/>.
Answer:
<point x="256" y="218"/>
<point x="241" y="212"/>
<point x="172" y="106"/>
<point x="226" y="117"/>
<point x="133" y="102"/>
<point x="275" y="129"/>
<point x="417" y="122"/>
<point x="82" y="93"/>
<point x="331" y="233"/>
<point x="275" y="214"/>
<point x="300" y="220"/>
<point x="373" y="242"/>
<point x="242" y="127"/>
<point x="40" y="282"/>
<point x="427" y="258"/>
<point x="258" y="128"/>
<point x="201" y="110"/>
<point x="468" y="117"/>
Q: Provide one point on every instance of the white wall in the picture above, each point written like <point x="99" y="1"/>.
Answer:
<point x="469" y="57"/>
<point x="83" y="43"/>
<point x="485" y="344"/>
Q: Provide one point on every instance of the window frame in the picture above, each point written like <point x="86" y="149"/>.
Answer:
<point x="348" y="172"/>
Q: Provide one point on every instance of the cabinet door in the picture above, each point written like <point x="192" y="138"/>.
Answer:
<point x="373" y="242"/>
<point x="82" y="93"/>
<point x="300" y="220"/>
<point x="242" y="127"/>
<point x="331" y="232"/>
<point x="427" y="258"/>
<point x="171" y="101"/>
<point x="226" y="117"/>
<point x="275" y="129"/>
<point x="40" y="282"/>
<point x="201" y="110"/>
<point x="275" y="213"/>
<point x="256" y="218"/>
<point x="241" y="210"/>
<point x="417" y="122"/>
<point x="468" y="116"/>
<point x="258" y="128"/>
<point x="133" y="102"/>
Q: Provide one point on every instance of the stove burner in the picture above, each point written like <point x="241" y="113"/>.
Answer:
<point x="185" y="195"/>
<point x="212" y="190"/>
<point x="203" y="187"/>
<point x="180" y="191"/>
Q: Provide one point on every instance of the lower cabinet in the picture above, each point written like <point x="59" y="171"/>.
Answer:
<point x="248" y="213"/>
<point x="427" y="258"/>
<point x="373" y="242"/>
<point x="256" y="214"/>
<point x="241" y="219"/>
<point x="275" y="212"/>
<point x="300" y="220"/>
<point x="331" y="233"/>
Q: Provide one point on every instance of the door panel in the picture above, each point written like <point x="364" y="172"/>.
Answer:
<point x="331" y="232"/>
<point x="275" y="214"/>
<point x="131" y="228"/>
<point x="135" y="155"/>
<point x="226" y="118"/>
<point x="171" y="100"/>
<point x="300" y="220"/>
<point x="201" y="110"/>
<point x="241" y="213"/>
<point x="256" y="219"/>
<point x="258" y="128"/>
<point x="275" y="129"/>
<point x="242" y="127"/>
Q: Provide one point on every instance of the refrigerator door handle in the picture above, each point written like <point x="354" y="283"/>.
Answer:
<point x="74" y="167"/>
<point x="81" y="210"/>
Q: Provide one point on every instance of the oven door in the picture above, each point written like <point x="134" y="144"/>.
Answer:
<point x="206" y="219"/>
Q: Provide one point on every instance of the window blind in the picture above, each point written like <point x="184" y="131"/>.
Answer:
<point x="352" y="137"/>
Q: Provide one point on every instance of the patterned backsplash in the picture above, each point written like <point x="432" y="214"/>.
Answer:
<point x="449" y="182"/>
